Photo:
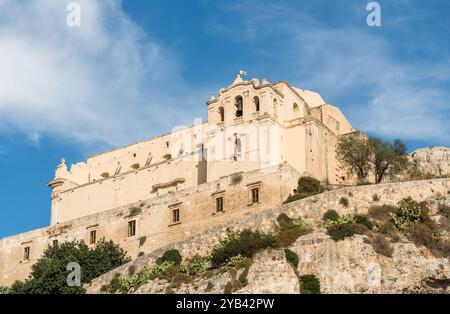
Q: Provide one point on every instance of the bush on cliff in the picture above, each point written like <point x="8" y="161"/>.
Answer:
<point x="49" y="274"/>
<point x="309" y="284"/>
<point x="172" y="256"/>
<point x="307" y="186"/>
<point x="330" y="214"/>
<point x="245" y="243"/>
<point x="289" y="230"/>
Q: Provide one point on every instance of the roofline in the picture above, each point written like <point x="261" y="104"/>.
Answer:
<point x="142" y="141"/>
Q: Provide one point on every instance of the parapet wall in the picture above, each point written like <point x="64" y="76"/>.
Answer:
<point x="311" y="209"/>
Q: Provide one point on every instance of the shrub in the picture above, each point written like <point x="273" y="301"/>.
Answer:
<point x="375" y="198"/>
<point x="444" y="210"/>
<point x="342" y="231"/>
<point x="237" y="261"/>
<point x="236" y="179"/>
<point x="330" y="214"/>
<point x="408" y="212"/>
<point x="296" y="197"/>
<point x="142" y="240"/>
<point x="344" y="201"/>
<point x="381" y="245"/>
<point x="344" y="219"/>
<point x="228" y="288"/>
<point x="172" y="256"/>
<point x="141" y="254"/>
<point x="4" y="290"/>
<point x="113" y="286"/>
<point x="422" y="234"/>
<point x="309" y="185"/>
<point x="131" y="270"/>
<point x="364" y="220"/>
<point x="49" y="273"/>
<point x="290" y="230"/>
<point x="135" y="211"/>
<point x="381" y="213"/>
<point x="309" y="284"/>
<point x="291" y="257"/>
<point x="243" y="277"/>
<point x="245" y="243"/>
<point x="195" y="266"/>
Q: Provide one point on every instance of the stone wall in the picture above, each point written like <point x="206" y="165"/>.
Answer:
<point x="311" y="209"/>
<point x="154" y="222"/>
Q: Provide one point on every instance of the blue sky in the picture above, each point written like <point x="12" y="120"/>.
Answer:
<point x="138" y="68"/>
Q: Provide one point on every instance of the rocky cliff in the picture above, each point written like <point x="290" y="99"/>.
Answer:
<point x="434" y="161"/>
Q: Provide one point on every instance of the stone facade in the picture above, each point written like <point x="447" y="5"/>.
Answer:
<point x="197" y="210"/>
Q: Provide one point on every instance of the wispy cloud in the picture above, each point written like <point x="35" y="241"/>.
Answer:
<point x="104" y="82"/>
<point x="360" y="69"/>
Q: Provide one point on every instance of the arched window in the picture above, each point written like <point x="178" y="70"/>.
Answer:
<point x="256" y="101"/>
<point x="239" y="106"/>
<point x="296" y="111"/>
<point x="222" y="114"/>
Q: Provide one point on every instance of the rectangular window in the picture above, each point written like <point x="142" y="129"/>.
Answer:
<point x="93" y="237"/>
<point x="255" y="195"/>
<point x="175" y="215"/>
<point x="219" y="204"/>
<point x="132" y="228"/>
<point x="55" y="242"/>
<point x="26" y="253"/>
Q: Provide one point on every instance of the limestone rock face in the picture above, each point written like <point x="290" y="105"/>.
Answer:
<point x="271" y="273"/>
<point x="352" y="266"/>
<point x="434" y="160"/>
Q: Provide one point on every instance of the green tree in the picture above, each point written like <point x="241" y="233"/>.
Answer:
<point x="387" y="158"/>
<point x="49" y="273"/>
<point x="354" y="152"/>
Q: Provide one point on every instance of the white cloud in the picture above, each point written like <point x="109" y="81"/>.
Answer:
<point x="104" y="82"/>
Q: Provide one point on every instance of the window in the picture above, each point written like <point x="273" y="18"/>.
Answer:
<point x="93" y="237"/>
<point x="219" y="204"/>
<point x="222" y="114"/>
<point x="255" y="195"/>
<point x="132" y="228"/>
<point x="237" y="148"/>
<point x="275" y="107"/>
<point x="239" y="106"/>
<point x="256" y="101"/>
<point x="296" y="111"/>
<point x="55" y="242"/>
<point x="175" y="215"/>
<point x="26" y="253"/>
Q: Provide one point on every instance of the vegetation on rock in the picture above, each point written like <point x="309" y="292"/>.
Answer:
<point x="309" y="284"/>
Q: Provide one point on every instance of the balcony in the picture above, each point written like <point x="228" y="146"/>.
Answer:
<point x="238" y="120"/>
<point x="256" y="115"/>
